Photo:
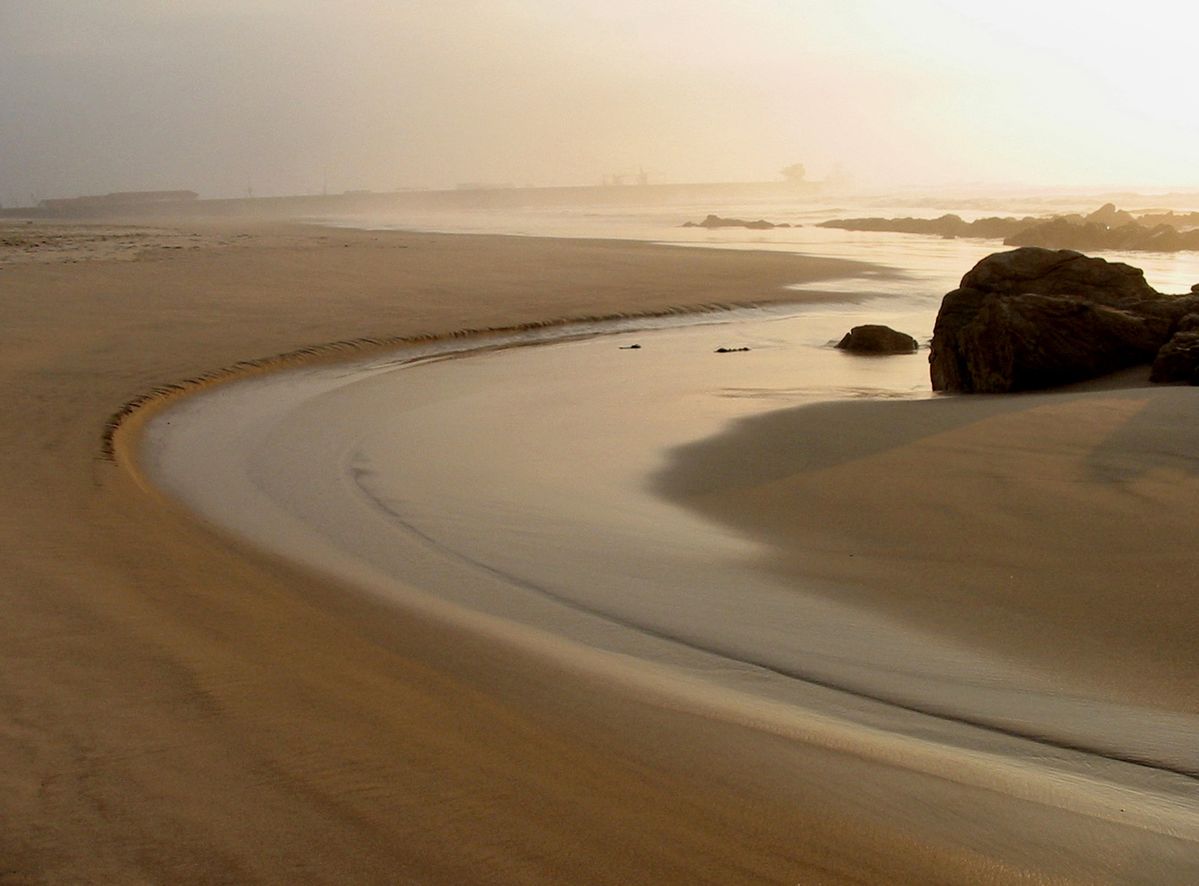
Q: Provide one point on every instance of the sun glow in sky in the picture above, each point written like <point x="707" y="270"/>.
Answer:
<point x="221" y="95"/>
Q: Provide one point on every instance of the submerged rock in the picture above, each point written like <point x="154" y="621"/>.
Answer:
<point x="876" y="339"/>
<point x="1034" y="318"/>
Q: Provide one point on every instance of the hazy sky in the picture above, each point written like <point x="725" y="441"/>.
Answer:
<point x="221" y="95"/>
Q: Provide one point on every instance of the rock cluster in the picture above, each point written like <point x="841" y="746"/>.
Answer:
<point x="1034" y="318"/>
<point x="1109" y="215"/>
<point x="875" y="339"/>
<point x="946" y="226"/>
<point x="715" y="221"/>
<point x="1178" y="359"/>
<point x="1062" y="233"/>
<point x="1105" y="228"/>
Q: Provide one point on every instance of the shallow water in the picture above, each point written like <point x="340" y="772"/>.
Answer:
<point x="931" y="266"/>
<point x="514" y="485"/>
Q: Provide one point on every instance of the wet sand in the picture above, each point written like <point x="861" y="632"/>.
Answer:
<point x="179" y="707"/>
<point x="1057" y="529"/>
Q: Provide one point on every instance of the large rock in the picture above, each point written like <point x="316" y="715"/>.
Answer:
<point x="875" y="339"/>
<point x="1034" y="318"/>
<point x="1060" y="272"/>
<point x="1178" y="359"/>
<point x="1028" y="341"/>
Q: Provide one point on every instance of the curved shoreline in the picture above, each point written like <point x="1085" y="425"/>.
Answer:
<point x="569" y="651"/>
<point x="160" y="396"/>
<point x="181" y="708"/>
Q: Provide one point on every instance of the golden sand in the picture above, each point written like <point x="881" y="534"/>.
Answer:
<point x="179" y="708"/>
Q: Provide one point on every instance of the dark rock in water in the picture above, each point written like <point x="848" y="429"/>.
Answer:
<point x="715" y="221"/>
<point x="730" y="350"/>
<point x="946" y="226"/>
<point x="1105" y="228"/>
<point x="875" y="339"/>
<point x="1109" y="215"/>
<point x="1179" y="220"/>
<point x="1034" y="318"/>
<point x="1062" y="233"/>
<point x="1058" y="233"/>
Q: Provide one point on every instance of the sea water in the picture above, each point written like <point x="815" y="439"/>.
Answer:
<point x="930" y="265"/>
<point x="516" y="484"/>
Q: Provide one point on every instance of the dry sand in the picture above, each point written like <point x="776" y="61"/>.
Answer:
<point x="175" y="707"/>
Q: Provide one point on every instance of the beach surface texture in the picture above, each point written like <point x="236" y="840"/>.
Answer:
<point x="179" y="706"/>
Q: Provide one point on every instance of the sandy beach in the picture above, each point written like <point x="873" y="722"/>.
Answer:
<point x="1056" y="528"/>
<point x="180" y="707"/>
